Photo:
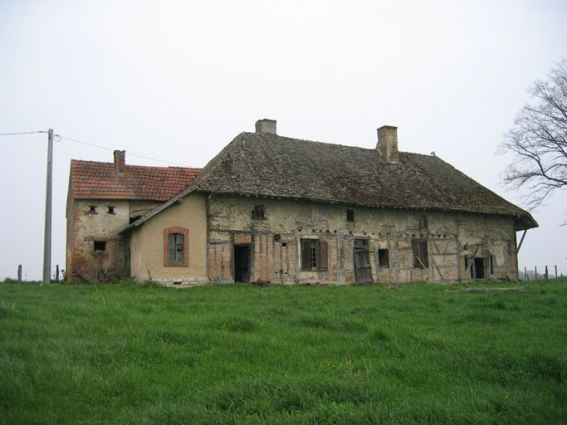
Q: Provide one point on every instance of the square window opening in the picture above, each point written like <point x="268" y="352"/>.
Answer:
<point x="99" y="246"/>
<point x="92" y="209"/>
<point x="383" y="258"/>
<point x="258" y="212"/>
<point x="111" y="209"/>
<point x="350" y="216"/>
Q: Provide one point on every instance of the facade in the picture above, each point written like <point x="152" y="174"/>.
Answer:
<point x="103" y="200"/>
<point x="280" y="210"/>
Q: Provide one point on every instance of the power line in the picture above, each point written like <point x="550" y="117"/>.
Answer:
<point x="112" y="150"/>
<point x="22" y="132"/>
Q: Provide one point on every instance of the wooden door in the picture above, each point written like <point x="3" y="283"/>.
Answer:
<point x="362" y="266"/>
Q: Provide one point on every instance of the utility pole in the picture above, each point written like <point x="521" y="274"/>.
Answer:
<point x="48" y="197"/>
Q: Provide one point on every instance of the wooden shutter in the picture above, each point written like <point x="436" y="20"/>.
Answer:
<point x="305" y="254"/>
<point x="323" y="255"/>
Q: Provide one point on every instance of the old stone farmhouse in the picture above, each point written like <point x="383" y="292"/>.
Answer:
<point x="269" y="208"/>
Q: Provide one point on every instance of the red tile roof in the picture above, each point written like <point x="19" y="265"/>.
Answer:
<point x="100" y="180"/>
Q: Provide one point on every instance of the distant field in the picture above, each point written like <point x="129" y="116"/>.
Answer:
<point x="130" y="354"/>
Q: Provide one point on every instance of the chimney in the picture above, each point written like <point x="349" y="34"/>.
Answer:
<point x="266" y="126"/>
<point x="388" y="143"/>
<point x="119" y="161"/>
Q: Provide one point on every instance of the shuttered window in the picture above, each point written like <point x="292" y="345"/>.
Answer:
<point x="314" y="254"/>
<point x="175" y="244"/>
<point x="176" y="247"/>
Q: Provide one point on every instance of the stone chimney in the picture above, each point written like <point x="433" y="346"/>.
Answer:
<point x="266" y="126"/>
<point x="388" y="143"/>
<point x="119" y="161"/>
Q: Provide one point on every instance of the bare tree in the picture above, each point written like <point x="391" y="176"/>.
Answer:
<point x="539" y="139"/>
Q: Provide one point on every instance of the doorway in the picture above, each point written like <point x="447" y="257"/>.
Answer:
<point x="242" y="263"/>
<point x="362" y="267"/>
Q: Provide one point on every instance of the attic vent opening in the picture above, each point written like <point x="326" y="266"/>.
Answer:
<point x="99" y="246"/>
<point x="135" y="218"/>
<point x="258" y="212"/>
<point x="111" y="209"/>
<point x="92" y="209"/>
<point x="350" y="216"/>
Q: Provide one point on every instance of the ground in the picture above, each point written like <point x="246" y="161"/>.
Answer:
<point x="419" y="353"/>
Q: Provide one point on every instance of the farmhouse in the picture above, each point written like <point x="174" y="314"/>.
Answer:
<point x="282" y="210"/>
<point x="105" y="198"/>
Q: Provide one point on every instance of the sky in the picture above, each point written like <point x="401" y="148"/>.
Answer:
<point x="176" y="81"/>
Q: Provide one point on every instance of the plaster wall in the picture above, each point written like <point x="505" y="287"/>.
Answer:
<point x="275" y="241"/>
<point x="147" y="243"/>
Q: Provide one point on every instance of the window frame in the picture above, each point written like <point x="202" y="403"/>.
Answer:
<point x="174" y="231"/>
<point x="383" y="254"/>
<point x="258" y="213"/>
<point x="314" y="249"/>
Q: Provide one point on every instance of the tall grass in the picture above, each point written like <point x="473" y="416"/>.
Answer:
<point x="242" y="354"/>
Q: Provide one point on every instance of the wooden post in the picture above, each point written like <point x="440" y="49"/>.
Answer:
<point x="57" y="273"/>
<point x="555" y="272"/>
<point x="535" y="268"/>
<point x="546" y="273"/>
<point x="20" y="272"/>
<point x="526" y="273"/>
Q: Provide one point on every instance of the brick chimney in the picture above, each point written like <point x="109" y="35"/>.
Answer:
<point x="266" y="126"/>
<point x="119" y="161"/>
<point x="388" y="143"/>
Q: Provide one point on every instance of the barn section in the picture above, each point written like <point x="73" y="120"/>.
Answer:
<point x="285" y="210"/>
<point x="104" y="199"/>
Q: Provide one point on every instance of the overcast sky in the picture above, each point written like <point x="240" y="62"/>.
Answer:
<point x="178" y="80"/>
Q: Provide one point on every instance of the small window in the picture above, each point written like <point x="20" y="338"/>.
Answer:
<point x="176" y="247"/>
<point x="111" y="209"/>
<point x="420" y="254"/>
<point x="258" y="212"/>
<point x="422" y="223"/>
<point x="350" y="216"/>
<point x="99" y="246"/>
<point x="314" y="254"/>
<point x="92" y="209"/>
<point x="383" y="258"/>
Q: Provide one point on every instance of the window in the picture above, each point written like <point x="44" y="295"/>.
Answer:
<point x="422" y="223"/>
<point x="135" y="218"/>
<point x="350" y="215"/>
<point x="314" y="254"/>
<point x="99" y="246"/>
<point x="383" y="258"/>
<point x="92" y="209"/>
<point x="111" y="209"/>
<point x="258" y="212"/>
<point x="420" y="256"/>
<point x="176" y="247"/>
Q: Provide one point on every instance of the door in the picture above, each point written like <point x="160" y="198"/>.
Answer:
<point x="242" y="263"/>
<point x="362" y="267"/>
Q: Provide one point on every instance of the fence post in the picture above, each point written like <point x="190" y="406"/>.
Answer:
<point x="535" y="268"/>
<point x="555" y="272"/>
<point x="546" y="273"/>
<point x="19" y="272"/>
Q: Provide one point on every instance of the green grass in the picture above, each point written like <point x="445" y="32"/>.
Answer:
<point x="130" y="354"/>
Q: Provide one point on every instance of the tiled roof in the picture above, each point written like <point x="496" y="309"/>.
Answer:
<point x="99" y="180"/>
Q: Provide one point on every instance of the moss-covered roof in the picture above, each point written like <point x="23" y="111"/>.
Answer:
<point x="265" y="164"/>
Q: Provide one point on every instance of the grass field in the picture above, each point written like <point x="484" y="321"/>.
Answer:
<point x="420" y="354"/>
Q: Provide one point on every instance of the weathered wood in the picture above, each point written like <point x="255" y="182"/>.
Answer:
<point x="20" y="272"/>
<point x="516" y="289"/>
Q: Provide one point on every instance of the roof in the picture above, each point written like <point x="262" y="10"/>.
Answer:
<point x="100" y="180"/>
<point x="265" y="164"/>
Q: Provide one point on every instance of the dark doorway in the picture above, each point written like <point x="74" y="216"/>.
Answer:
<point x="362" y="267"/>
<point x="242" y="263"/>
<point x="479" y="268"/>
